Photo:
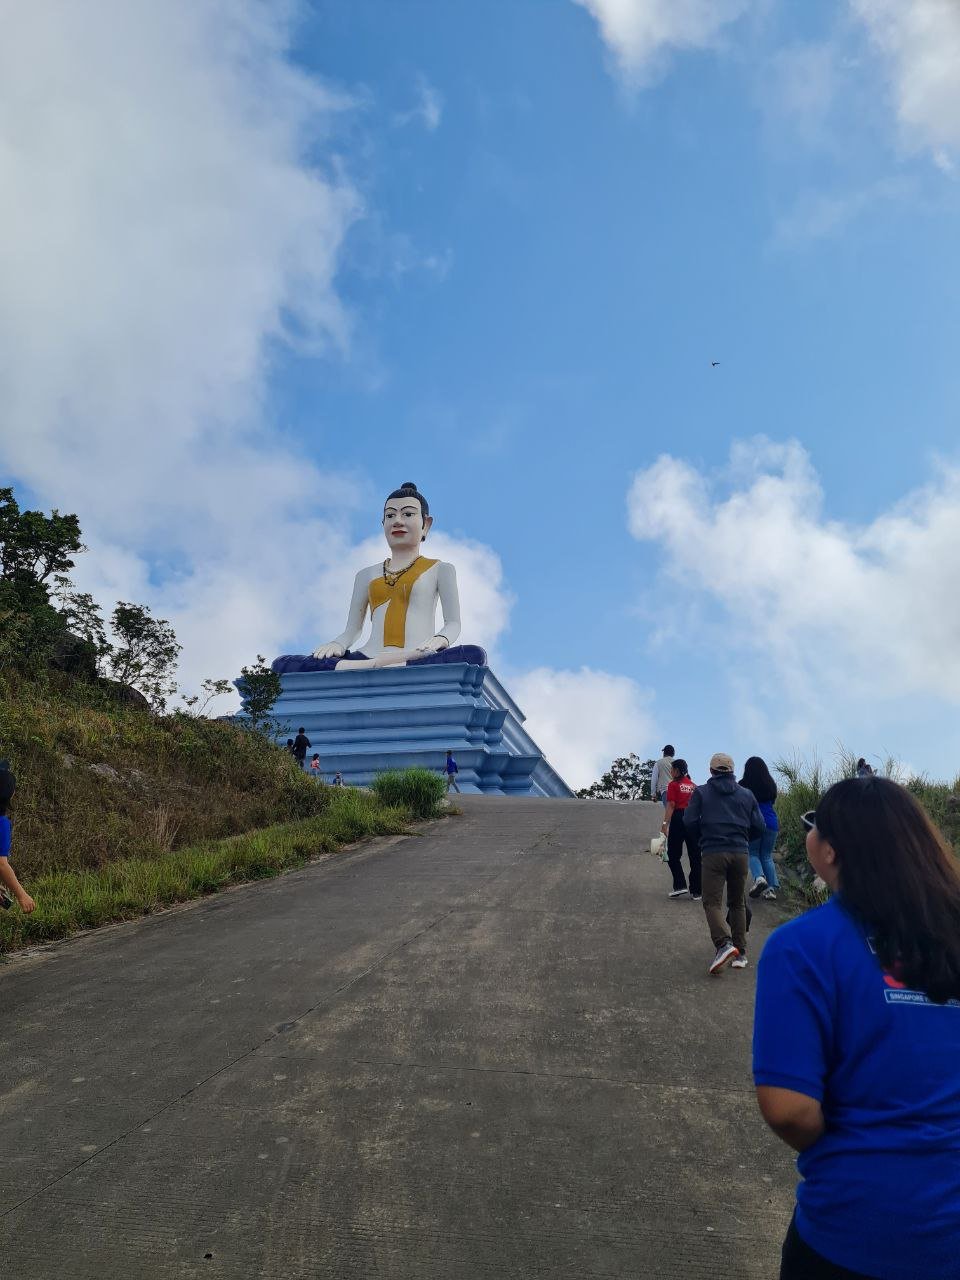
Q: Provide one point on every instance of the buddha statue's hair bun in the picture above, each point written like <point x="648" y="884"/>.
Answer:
<point x="409" y="490"/>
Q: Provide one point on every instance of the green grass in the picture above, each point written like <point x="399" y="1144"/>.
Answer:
<point x="419" y="790"/>
<point x="802" y="782"/>
<point x="97" y="781"/>
<point x="71" y="900"/>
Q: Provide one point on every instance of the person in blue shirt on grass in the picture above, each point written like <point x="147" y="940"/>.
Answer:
<point x="10" y="886"/>
<point x="856" y="1048"/>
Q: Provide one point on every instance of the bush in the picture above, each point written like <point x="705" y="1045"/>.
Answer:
<point x="806" y="781"/>
<point x="420" y="791"/>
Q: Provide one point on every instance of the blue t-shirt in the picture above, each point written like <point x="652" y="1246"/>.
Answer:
<point x="6" y="835"/>
<point x="881" y="1188"/>
<point x="769" y="815"/>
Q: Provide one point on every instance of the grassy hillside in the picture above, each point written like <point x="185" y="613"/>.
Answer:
<point x="119" y="812"/>
<point x="97" y="780"/>
<point x="803" y="782"/>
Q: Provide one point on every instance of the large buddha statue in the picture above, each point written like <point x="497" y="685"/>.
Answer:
<point x="401" y="595"/>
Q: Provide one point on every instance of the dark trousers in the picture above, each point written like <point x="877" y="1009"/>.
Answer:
<point x="726" y="871"/>
<point x="800" y="1262"/>
<point x="676" y="836"/>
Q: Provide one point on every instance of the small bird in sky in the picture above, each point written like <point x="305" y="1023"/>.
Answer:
<point x="714" y="363"/>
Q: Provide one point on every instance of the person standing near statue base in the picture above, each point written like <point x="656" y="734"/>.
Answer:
<point x="300" y="744"/>
<point x="728" y="818"/>
<point x="452" y="769"/>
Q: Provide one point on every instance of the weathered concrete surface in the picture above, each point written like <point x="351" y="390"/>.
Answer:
<point x="491" y="1051"/>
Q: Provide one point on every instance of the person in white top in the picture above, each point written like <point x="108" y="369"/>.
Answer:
<point x="662" y="775"/>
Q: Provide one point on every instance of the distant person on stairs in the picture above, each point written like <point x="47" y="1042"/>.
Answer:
<point x="300" y="744"/>
<point x="729" y="818"/>
<point x="662" y="775"/>
<point x="451" y="769"/>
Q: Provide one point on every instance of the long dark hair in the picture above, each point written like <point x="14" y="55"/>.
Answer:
<point x="757" y="778"/>
<point x="899" y="878"/>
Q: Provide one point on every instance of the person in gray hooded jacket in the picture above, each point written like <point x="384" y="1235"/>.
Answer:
<point x="728" y="818"/>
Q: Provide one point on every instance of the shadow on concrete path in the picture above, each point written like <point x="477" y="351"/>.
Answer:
<point x="490" y="1051"/>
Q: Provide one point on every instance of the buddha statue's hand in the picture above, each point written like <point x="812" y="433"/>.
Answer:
<point x="329" y="651"/>
<point x="433" y="645"/>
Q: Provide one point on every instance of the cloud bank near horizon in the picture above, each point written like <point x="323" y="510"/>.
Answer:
<point x="830" y="622"/>
<point x="176" y="209"/>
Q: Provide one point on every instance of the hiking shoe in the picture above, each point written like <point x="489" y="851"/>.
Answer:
<point x="677" y="893"/>
<point x="739" y="962"/>
<point x="724" y="953"/>
<point x="769" y="895"/>
<point x="758" y="887"/>
<point x="696" y="897"/>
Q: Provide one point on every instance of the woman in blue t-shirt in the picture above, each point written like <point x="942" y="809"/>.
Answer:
<point x="757" y="778"/>
<point x="857" y="1044"/>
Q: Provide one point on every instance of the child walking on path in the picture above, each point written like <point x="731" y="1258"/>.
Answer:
<point x="10" y="886"/>
<point x="452" y="770"/>
<point x="315" y="766"/>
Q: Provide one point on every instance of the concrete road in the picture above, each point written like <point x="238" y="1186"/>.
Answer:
<point x="492" y="1050"/>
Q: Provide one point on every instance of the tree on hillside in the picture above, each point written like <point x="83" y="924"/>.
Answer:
<point x="628" y="778"/>
<point x="196" y="704"/>
<point x="36" y="552"/>
<point x="81" y="615"/>
<point x="259" y="686"/>
<point x="35" y="547"/>
<point x="146" y="652"/>
<point x="45" y="622"/>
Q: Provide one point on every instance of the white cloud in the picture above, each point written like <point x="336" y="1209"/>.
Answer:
<point x="582" y="720"/>
<point x="818" y="215"/>
<point x="428" y="109"/>
<point x="920" y="40"/>
<point x="798" y="91"/>
<point x="825" y="617"/>
<point x="640" y="33"/>
<point x="173" y="209"/>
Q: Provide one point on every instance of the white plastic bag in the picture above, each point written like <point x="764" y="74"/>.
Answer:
<point x="658" y="846"/>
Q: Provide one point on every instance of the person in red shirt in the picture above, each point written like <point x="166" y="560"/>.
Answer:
<point x="679" y="791"/>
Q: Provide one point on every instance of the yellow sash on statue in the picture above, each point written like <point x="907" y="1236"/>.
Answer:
<point x="396" y="599"/>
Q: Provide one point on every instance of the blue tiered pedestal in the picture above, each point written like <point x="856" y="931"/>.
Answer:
<point x="362" y="722"/>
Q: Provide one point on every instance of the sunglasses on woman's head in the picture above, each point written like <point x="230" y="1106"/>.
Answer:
<point x="809" y="819"/>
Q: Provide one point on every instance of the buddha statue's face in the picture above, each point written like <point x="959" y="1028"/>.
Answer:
<point x="403" y="524"/>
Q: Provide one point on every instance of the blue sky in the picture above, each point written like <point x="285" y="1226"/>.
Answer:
<point x="495" y="249"/>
